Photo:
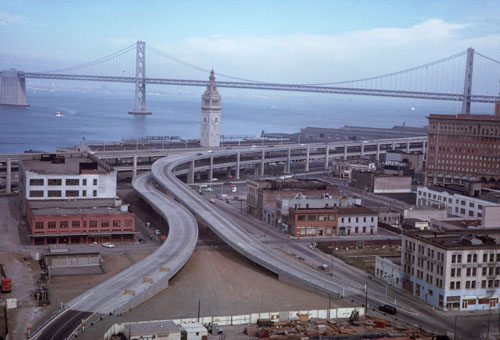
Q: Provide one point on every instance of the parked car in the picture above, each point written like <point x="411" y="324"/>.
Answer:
<point x="209" y="189"/>
<point x="108" y="245"/>
<point x="148" y="224"/>
<point x="324" y="267"/>
<point x="141" y="240"/>
<point x="157" y="232"/>
<point x="387" y="309"/>
<point x="212" y="201"/>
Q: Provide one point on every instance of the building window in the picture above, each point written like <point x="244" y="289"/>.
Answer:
<point x="95" y="181"/>
<point x="38" y="225"/>
<point x="116" y="223"/>
<point x="84" y="193"/>
<point x="452" y="285"/>
<point x="128" y="223"/>
<point x="84" y="181"/>
<point x="452" y="272"/>
<point x="94" y="193"/>
<point x="331" y="217"/>
<point x="36" y="181"/>
<point x="467" y="284"/>
<point x="459" y="258"/>
<point x="311" y="217"/>
<point x="104" y="224"/>
<point x="457" y="284"/>
<point x="93" y="224"/>
<point x="356" y="229"/>
<point x="301" y="217"/>
<point x="54" y="181"/>
<point x="72" y="193"/>
<point x="36" y="193"/>
<point x="75" y="224"/>
<point x="321" y="218"/>
<point x="51" y="225"/>
<point x="54" y="193"/>
<point x="63" y="225"/>
<point x="483" y="284"/>
<point x="72" y="181"/>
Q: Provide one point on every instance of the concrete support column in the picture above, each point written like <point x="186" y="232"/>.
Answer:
<point x="327" y="154"/>
<point x="393" y="145"/>
<point x="307" y="159"/>
<point x="198" y="175"/>
<point x="211" y="170"/>
<point x="345" y="152"/>
<point x="378" y="152"/>
<point x="262" y="157"/>
<point x="190" y="178"/>
<point x="289" y="160"/>
<point x="238" y="155"/>
<point x="362" y="149"/>
<point x="256" y="170"/>
<point x="228" y="172"/>
<point x="8" y="185"/>
<point x="408" y="146"/>
<point x="134" y="167"/>
<point x="13" y="88"/>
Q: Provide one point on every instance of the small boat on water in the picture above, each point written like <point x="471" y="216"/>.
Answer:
<point x="59" y="114"/>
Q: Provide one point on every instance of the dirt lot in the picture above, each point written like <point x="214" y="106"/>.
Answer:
<point x="64" y="288"/>
<point x="364" y="257"/>
<point x="226" y="284"/>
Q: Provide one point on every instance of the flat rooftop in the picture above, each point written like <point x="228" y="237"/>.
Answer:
<point x="484" y="238"/>
<point x="77" y="206"/>
<point x="488" y="195"/>
<point x="462" y="116"/>
<point x="70" y="166"/>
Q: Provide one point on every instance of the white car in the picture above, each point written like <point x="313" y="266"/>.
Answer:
<point x="157" y="232"/>
<point x="108" y="245"/>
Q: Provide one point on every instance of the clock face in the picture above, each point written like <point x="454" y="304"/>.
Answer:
<point x="215" y="120"/>
<point x="204" y="119"/>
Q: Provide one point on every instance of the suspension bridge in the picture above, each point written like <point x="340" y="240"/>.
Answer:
<point x="450" y="78"/>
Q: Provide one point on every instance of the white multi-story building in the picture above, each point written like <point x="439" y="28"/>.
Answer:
<point x="357" y="221"/>
<point x="453" y="270"/>
<point x="453" y="198"/>
<point x="55" y="177"/>
<point x="210" y="115"/>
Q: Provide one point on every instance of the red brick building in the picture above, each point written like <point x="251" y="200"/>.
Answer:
<point x="312" y="222"/>
<point x="82" y="221"/>
<point x="463" y="147"/>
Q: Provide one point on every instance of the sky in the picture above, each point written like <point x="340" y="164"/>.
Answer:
<point x="281" y="41"/>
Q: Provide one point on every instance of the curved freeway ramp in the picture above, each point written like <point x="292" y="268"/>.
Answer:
<point x="236" y="237"/>
<point x="141" y="281"/>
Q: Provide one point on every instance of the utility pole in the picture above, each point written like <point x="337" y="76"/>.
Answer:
<point x="366" y="299"/>
<point x="455" y="331"/>
<point x="199" y="307"/>
<point x="489" y="318"/>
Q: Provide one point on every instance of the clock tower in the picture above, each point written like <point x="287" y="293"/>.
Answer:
<point x="210" y="115"/>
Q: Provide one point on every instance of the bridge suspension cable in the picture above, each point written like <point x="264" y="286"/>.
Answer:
<point x="95" y="62"/>
<point x="198" y="68"/>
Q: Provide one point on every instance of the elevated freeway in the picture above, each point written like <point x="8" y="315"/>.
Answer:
<point x="411" y="310"/>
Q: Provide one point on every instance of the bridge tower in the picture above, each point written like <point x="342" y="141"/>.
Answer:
<point x="210" y="115"/>
<point x="140" y="81"/>
<point x="13" y="88"/>
<point x="468" y="81"/>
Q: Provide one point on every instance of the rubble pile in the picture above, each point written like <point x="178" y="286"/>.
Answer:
<point x="308" y="328"/>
